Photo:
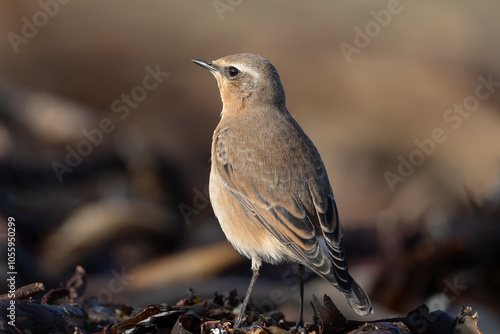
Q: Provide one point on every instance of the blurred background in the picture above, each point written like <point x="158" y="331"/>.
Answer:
<point x="105" y="131"/>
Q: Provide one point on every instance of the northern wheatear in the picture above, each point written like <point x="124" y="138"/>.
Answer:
<point x="268" y="186"/>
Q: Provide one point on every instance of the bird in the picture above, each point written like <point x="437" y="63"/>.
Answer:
<point x="268" y="186"/>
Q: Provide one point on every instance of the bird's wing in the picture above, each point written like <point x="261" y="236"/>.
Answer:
<point x="294" y="204"/>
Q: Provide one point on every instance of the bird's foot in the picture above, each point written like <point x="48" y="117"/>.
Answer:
<point x="299" y="327"/>
<point x="237" y="324"/>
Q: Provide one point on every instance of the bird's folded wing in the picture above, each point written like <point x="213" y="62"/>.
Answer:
<point x="304" y="219"/>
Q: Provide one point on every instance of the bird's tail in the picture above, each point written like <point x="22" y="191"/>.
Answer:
<point x="358" y="299"/>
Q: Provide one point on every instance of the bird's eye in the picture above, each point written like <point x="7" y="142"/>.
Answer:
<point x="233" y="71"/>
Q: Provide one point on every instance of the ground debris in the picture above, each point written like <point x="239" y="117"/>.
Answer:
<point x="66" y="310"/>
<point x="24" y="292"/>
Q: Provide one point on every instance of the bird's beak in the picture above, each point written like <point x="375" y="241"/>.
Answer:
<point x="206" y="64"/>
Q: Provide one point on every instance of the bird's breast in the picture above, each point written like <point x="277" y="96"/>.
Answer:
<point x="247" y="235"/>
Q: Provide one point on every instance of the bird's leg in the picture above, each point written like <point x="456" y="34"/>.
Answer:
<point x="300" y="323"/>
<point x="256" y="263"/>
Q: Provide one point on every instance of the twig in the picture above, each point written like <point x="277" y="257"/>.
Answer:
<point x="24" y="292"/>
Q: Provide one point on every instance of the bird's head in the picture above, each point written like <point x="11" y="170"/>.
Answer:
<point x="245" y="79"/>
